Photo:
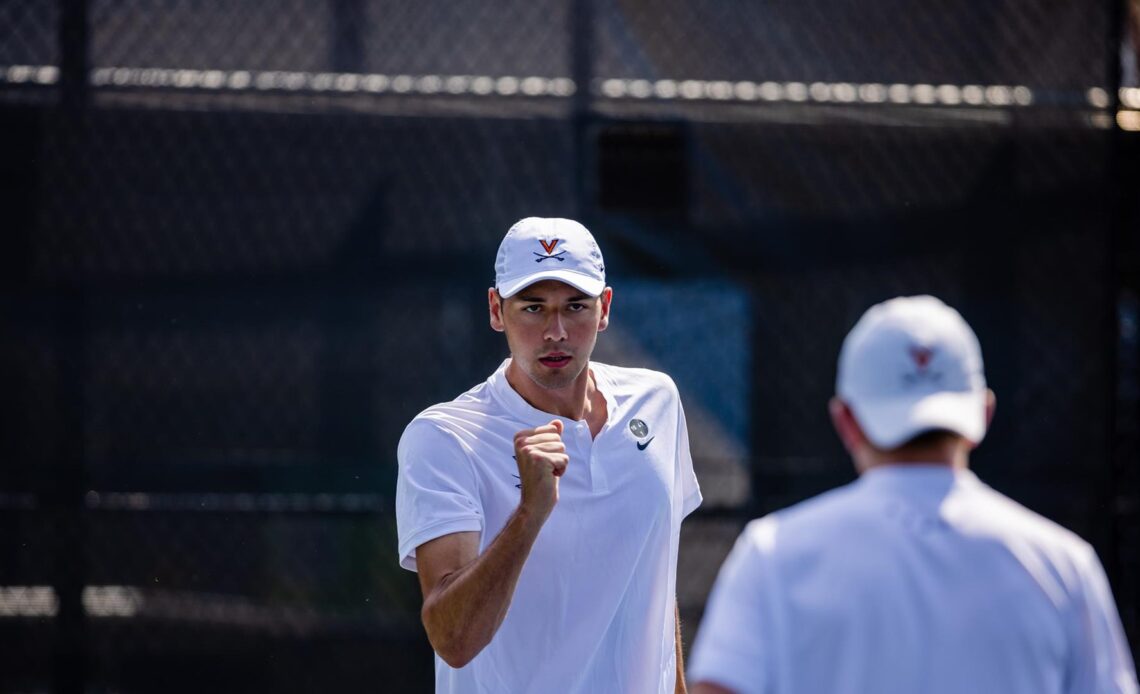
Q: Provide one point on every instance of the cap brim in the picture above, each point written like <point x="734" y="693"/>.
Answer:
<point x="889" y="423"/>
<point x="590" y="285"/>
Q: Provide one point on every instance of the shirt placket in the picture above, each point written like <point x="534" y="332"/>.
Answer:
<point x="596" y="480"/>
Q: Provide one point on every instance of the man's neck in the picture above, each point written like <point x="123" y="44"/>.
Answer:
<point x="956" y="457"/>
<point x="574" y="401"/>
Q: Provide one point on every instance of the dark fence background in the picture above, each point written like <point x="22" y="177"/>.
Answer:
<point x="241" y="245"/>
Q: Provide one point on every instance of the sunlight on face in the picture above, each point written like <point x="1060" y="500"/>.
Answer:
<point x="551" y="330"/>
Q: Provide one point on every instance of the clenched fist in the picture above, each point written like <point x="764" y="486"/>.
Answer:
<point x="541" y="457"/>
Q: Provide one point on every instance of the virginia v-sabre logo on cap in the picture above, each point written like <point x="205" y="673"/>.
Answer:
<point x="530" y="242"/>
<point x="549" y="247"/>
<point x="922" y="357"/>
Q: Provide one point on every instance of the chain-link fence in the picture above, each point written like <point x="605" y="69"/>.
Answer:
<point x="244" y="244"/>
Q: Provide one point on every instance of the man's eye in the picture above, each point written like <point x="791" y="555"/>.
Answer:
<point x="573" y="308"/>
<point x="533" y="308"/>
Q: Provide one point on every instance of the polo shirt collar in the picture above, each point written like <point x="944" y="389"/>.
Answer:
<point x="514" y="403"/>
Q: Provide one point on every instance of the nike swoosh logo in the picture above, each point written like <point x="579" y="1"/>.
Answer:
<point x="641" y="446"/>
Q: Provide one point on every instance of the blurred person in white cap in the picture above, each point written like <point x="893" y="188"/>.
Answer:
<point x="916" y="577"/>
<point x="542" y="508"/>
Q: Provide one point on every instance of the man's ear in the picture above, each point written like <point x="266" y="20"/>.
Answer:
<point x="495" y="309"/>
<point x="849" y="431"/>
<point x="858" y="446"/>
<point x="991" y="405"/>
<point x="606" y="297"/>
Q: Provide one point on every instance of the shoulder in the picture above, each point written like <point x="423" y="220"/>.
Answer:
<point x="631" y="379"/>
<point x="475" y="405"/>
<point x="451" y="420"/>
<point x="785" y="544"/>
<point x="982" y="509"/>
<point x="804" y="525"/>
<point x="1058" y="560"/>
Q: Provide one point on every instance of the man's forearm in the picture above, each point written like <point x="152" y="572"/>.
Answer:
<point x="463" y="613"/>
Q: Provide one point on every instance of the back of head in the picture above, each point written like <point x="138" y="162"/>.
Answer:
<point x="912" y="365"/>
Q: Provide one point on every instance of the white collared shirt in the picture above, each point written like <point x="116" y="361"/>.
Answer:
<point x="593" y="608"/>
<point x="914" y="578"/>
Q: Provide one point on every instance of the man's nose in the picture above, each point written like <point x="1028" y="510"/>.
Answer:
<point x="555" y="329"/>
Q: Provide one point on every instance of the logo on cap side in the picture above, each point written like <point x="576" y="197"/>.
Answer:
<point x="549" y="247"/>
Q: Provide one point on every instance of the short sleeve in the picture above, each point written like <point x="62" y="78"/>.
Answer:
<point x="436" y="492"/>
<point x="690" y="489"/>
<point x="1101" y="660"/>
<point x="732" y="647"/>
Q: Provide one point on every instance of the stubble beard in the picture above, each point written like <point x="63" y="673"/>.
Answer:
<point x="553" y="380"/>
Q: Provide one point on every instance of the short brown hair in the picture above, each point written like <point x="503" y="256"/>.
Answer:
<point x="928" y="439"/>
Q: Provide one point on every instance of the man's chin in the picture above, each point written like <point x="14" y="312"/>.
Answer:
<point x="552" y="379"/>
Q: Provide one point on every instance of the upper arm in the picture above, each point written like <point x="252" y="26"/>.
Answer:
<point x="439" y="558"/>
<point x="734" y="644"/>
<point x="690" y="489"/>
<point x="437" y="493"/>
<point x="1101" y="658"/>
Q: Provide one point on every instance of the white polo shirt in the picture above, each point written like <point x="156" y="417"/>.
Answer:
<point x="593" y="608"/>
<point x="912" y="579"/>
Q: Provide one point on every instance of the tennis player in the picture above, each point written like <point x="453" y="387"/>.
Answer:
<point x="542" y="508"/>
<point x="917" y="577"/>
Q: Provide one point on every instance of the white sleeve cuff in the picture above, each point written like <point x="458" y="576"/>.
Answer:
<point x="692" y="501"/>
<point x="431" y="532"/>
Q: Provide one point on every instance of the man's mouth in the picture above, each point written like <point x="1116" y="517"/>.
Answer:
<point x="555" y="361"/>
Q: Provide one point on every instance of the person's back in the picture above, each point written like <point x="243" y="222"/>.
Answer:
<point x="917" y="577"/>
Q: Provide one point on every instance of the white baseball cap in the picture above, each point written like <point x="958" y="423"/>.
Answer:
<point x="911" y="365"/>
<point x="549" y="248"/>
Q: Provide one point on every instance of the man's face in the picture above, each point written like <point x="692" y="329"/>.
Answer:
<point x="551" y="329"/>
